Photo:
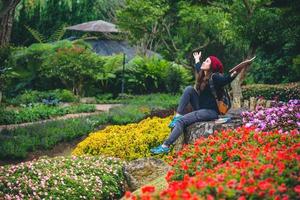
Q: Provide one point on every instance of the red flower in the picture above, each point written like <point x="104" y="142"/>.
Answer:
<point x="261" y="194"/>
<point x="127" y="194"/>
<point x="251" y="180"/>
<point x="169" y="175"/>
<point x="231" y="183"/>
<point x="277" y="197"/>
<point x="250" y="189"/>
<point x="264" y="185"/>
<point x="297" y="189"/>
<point x="200" y="184"/>
<point x="242" y="198"/>
<point x="219" y="158"/>
<point x="148" y="189"/>
<point x="272" y="191"/>
<point x="285" y="197"/>
<point x="186" y="195"/>
<point x="184" y="166"/>
<point x="282" y="188"/>
<point x="209" y="197"/>
<point x="280" y="166"/>
<point x="208" y="159"/>
<point x="220" y="189"/>
<point x="242" y="181"/>
<point x="146" y="197"/>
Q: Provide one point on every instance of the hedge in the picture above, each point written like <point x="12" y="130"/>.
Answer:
<point x="281" y="92"/>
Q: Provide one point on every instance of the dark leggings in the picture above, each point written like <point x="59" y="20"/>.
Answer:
<point x="189" y="96"/>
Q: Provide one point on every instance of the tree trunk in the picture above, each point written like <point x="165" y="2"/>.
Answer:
<point x="6" y="20"/>
<point x="80" y="88"/>
<point x="0" y="96"/>
<point x="236" y="83"/>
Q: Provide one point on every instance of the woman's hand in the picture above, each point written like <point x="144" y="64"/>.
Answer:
<point x="197" y="56"/>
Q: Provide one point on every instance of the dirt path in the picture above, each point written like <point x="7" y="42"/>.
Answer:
<point x="99" y="108"/>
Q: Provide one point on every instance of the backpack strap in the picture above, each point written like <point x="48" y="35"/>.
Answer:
<point x="212" y="87"/>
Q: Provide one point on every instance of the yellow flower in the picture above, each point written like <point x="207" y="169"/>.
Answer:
<point x="127" y="142"/>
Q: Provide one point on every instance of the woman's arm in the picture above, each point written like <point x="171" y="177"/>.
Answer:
<point x="221" y="80"/>
<point x="197" y="57"/>
<point x="198" y="66"/>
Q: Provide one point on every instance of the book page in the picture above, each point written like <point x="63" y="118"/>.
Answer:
<point x="243" y="64"/>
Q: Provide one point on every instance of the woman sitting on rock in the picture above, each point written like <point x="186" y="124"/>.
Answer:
<point x="200" y="97"/>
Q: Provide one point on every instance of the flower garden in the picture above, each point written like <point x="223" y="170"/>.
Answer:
<point x="63" y="178"/>
<point x="89" y="87"/>
<point x="250" y="162"/>
<point x="234" y="164"/>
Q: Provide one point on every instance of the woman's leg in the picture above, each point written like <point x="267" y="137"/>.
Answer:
<point x="188" y="119"/>
<point x="189" y="96"/>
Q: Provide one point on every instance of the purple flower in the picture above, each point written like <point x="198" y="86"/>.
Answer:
<point x="281" y="115"/>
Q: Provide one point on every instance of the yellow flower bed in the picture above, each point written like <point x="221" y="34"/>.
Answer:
<point x="127" y="142"/>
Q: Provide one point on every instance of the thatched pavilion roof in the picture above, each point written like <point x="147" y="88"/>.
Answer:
<point x="107" y="47"/>
<point x="110" y="47"/>
<point x="95" y="26"/>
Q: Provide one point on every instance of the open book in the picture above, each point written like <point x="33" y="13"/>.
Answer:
<point x="243" y="64"/>
<point x="222" y="120"/>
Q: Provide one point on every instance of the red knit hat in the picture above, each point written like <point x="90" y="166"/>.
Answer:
<point x="216" y="64"/>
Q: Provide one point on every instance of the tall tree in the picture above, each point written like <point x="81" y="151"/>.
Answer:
<point x="7" y="11"/>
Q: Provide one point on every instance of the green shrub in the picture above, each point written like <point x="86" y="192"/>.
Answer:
<point x="38" y="112"/>
<point x="66" y="64"/>
<point x="155" y="101"/>
<point x="65" y="95"/>
<point x="34" y="96"/>
<point x="150" y="75"/>
<point x="26" y="98"/>
<point x="26" y="62"/>
<point x="7" y="116"/>
<point x="127" y="114"/>
<point x="107" y="98"/>
<point x="177" y="77"/>
<point x="140" y="106"/>
<point x="121" y="98"/>
<point x="16" y="143"/>
<point x="282" y="92"/>
<point x="61" y="64"/>
<point x="79" y="108"/>
<point x="83" y="177"/>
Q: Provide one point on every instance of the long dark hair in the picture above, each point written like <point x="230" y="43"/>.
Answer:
<point x="202" y="80"/>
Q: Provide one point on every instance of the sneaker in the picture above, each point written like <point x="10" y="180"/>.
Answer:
<point x="174" y="120"/>
<point x="160" y="149"/>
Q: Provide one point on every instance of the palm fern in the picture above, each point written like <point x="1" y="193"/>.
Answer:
<point x="37" y="35"/>
<point x="56" y="36"/>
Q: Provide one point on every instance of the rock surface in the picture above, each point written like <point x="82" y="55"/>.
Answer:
<point x="206" y="128"/>
<point x="141" y="171"/>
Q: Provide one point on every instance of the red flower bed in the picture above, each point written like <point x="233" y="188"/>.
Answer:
<point x="235" y="164"/>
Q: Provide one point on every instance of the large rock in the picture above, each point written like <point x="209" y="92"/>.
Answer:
<point x="141" y="171"/>
<point x="206" y="128"/>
